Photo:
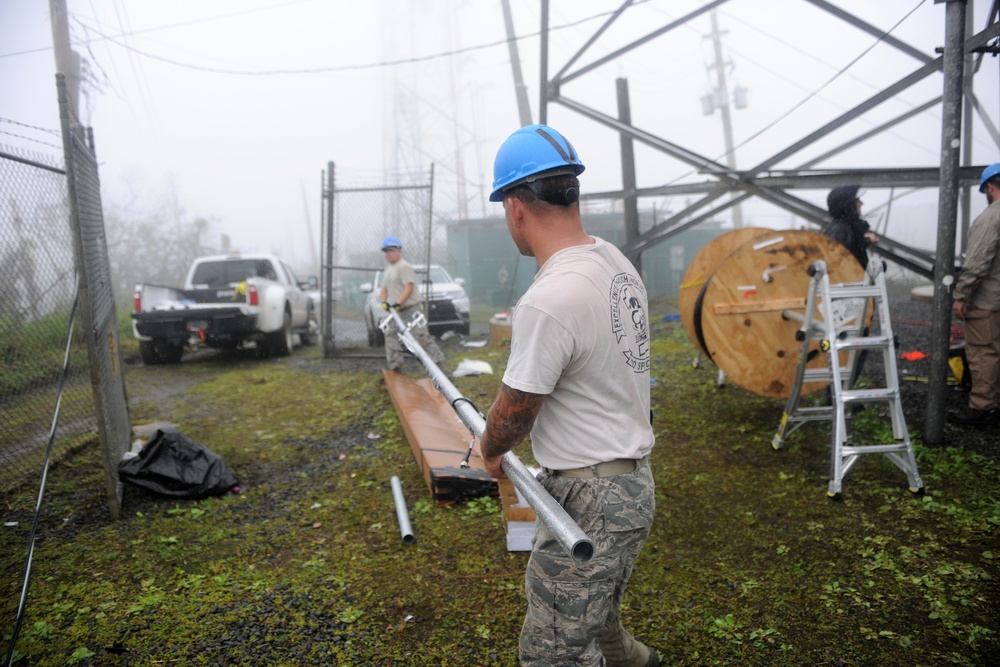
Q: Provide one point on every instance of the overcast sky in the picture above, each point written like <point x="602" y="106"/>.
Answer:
<point x="235" y="107"/>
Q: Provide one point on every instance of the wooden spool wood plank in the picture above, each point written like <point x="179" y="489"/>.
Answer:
<point x="701" y="269"/>
<point x="756" y="349"/>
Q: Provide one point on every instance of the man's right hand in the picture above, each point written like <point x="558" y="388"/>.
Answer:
<point x="958" y="309"/>
<point x="385" y="305"/>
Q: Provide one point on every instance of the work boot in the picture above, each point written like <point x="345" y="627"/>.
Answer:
<point x="972" y="417"/>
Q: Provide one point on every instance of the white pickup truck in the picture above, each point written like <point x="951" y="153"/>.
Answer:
<point x="229" y="302"/>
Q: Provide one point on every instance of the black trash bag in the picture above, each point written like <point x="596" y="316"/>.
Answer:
<point x="174" y="465"/>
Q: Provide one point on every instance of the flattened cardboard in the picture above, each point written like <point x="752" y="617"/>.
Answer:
<point x="518" y="517"/>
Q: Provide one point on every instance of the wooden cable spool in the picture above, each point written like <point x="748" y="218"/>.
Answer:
<point x="737" y="316"/>
<point x="701" y="269"/>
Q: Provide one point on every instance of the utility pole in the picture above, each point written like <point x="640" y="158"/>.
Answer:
<point x="543" y="76"/>
<point x="67" y="60"/>
<point x="723" y="103"/>
<point x="520" y="90"/>
<point x="461" y="204"/>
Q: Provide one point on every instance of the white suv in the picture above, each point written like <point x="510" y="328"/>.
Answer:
<point x="448" y="303"/>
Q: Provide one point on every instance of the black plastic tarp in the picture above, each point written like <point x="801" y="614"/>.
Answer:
<point x="174" y="465"/>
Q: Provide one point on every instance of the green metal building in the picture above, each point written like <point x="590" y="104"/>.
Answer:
<point x="481" y="251"/>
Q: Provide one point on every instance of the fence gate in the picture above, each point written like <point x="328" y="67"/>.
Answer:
<point x="357" y="215"/>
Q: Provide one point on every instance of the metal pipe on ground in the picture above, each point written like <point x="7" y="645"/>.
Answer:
<point x="563" y="528"/>
<point x="401" y="514"/>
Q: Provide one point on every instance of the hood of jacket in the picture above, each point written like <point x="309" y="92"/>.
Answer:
<point x="841" y="202"/>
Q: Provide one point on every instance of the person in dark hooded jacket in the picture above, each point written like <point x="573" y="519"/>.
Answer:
<point x="844" y="204"/>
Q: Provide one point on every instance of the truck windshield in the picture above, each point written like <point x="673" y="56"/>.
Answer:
<point x="231" y="272"/>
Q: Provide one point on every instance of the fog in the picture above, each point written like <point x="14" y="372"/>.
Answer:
<point x="231" y="110"/>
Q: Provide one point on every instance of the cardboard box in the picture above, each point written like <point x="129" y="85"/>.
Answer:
<point x="500" y="329"/>
<point x="518" y="517"/>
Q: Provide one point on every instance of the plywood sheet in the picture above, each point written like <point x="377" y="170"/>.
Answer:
<point x="439" y="440"/>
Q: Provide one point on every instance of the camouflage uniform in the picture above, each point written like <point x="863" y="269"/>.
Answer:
<point x="616" y="513"/>
<point x="395" y="353"/>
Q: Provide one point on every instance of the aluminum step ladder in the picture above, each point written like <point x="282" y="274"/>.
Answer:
<point x="835" y="316"/>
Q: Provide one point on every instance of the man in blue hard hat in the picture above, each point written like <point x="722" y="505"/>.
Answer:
<point x="977" y="302"/>
<point x="577" y="380"/>
<point x="398" y="292"/>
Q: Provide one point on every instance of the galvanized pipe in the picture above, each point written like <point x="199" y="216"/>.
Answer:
<point x="563" y="528"/>
<point x="401" y="514"/>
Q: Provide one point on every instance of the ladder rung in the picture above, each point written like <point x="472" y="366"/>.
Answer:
<point x="821" y="413"/>
<point x="854" y="291"/>
<point x="823" y="374"/>
<point x="874" y="449"/>
<point x="869" y="394"/>
<point x="871" y="342"/>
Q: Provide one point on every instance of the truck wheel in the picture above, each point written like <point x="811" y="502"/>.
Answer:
<point x="281" y="340"/>
<point x="147" y="351"/>
<point x="171" y="353"/>
<point x="309" y="336"/>
<point x="375" y="336"/>
<point x="160" y="351"/>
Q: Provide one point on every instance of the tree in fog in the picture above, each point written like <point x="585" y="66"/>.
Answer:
<point x="152" y="243"/>
<point x="20" y="297"/>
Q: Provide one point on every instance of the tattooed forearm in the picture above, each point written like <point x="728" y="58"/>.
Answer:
<point x="509" y="420"/>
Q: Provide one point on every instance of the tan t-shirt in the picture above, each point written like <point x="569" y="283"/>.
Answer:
<point x="580" y="335"/>
<point x="396" y="277"/>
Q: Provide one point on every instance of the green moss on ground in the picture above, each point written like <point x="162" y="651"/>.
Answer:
<point x="749" y="562"/>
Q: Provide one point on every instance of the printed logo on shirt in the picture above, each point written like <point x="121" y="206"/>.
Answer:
<point x="628" y="320"/>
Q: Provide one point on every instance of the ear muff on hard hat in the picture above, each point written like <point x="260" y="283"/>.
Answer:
<point x="988" y="173"/>
<point x="391" y="242"/>
<point x="530" y="153"/>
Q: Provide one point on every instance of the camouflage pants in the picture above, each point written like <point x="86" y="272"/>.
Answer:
<point x="395" y="353"/>
<point x="573" y="609"/>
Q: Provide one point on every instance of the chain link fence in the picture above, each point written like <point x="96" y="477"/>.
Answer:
<point x="358" y="213"/>
<point x="37" y="289"/>
<point x="58" y="324"/>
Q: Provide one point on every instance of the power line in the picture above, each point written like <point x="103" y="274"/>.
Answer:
<point x="32" y="127"/>
<point x="810" y="95"/>
<point x="310" y="70"/>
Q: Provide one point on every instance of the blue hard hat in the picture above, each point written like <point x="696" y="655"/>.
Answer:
<point x="534" y="151"/>
<point x="391" y="242"/>
<point x="988" y="173"/>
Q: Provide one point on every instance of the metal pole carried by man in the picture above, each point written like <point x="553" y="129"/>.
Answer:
<point x="977" y="302"/>
<point x="577" y="381"/>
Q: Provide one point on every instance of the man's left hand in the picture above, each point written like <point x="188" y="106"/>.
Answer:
<point x="491" y="463"/>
